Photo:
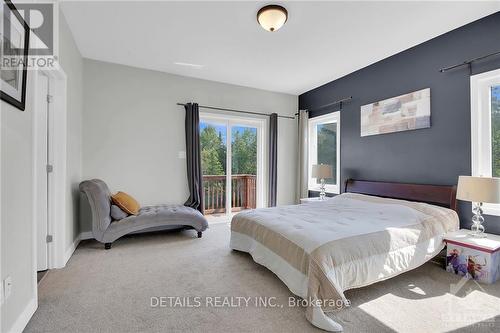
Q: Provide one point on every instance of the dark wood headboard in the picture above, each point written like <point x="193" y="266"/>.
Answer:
<point x="439" y="195"/>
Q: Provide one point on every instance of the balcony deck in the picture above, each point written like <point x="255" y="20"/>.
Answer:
<point x="243" y="193"/>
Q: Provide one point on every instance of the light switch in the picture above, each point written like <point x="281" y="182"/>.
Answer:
<point x="182" y="155"/>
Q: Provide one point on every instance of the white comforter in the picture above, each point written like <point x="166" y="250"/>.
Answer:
<point x="321" y="249"/>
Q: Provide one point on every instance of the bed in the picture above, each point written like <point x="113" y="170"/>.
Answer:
<point x="371" y="232"/>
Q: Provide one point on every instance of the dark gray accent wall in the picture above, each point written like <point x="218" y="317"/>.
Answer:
<point x="437" y="155"/>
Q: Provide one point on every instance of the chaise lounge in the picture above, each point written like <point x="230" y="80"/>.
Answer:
<point x="150" y="218"/>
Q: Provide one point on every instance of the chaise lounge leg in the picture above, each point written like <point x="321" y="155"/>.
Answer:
<point x="199" y="234"/>
<point x="107" y="246"/>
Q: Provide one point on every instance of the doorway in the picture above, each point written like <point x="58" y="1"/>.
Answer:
<point x="50" y="242"/>
<point x="232" y="158"/>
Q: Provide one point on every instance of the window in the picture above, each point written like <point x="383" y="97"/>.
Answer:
<point x="324" y="148"/>
<point x="485" y="128"/>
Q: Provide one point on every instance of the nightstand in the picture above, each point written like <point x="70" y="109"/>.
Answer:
<point x="473" y="258"/>
<point x="306" y="200"/>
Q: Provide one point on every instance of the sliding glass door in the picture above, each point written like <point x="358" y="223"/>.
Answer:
<point x="232" y="159"/>
<point x="213" y="164"/>
<point x="243" y="167"/>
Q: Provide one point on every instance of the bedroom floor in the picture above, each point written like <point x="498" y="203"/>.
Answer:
<point x="110" y="291"/>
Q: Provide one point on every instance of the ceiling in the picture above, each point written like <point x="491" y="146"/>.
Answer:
<point x="321" y="41"/>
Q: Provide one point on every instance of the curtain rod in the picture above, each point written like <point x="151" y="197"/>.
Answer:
<point x="237" y="111"/>
<point x="469" y="62"/>
<point x="339" y="101"/>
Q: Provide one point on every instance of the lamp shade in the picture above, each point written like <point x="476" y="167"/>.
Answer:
<point x="322" y="171"/>
<point x="478" y="189"/>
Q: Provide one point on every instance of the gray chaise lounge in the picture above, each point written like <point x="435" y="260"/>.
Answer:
<point x="150" y="218"/>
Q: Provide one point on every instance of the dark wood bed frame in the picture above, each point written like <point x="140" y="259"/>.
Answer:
<point x="440" y="195"/>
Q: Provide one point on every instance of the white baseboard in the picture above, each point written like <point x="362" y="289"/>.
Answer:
<point x="24" y="317"/>
<point x="71" y="249"/>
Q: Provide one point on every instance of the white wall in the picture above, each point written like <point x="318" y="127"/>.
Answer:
<point x="133" y="129"/>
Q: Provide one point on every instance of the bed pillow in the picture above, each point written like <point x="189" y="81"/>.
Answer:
<point x="117" y="213"/>
<point x="126" y="203"/>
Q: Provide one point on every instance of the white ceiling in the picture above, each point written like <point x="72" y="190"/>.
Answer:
<point x="321" y="41"/>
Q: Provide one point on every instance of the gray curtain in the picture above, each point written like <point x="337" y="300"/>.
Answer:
<point x="302" y="191"/>
<point x="193" y="156"/>
<point x="273" y="159"/>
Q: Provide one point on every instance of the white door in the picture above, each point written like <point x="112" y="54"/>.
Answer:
<point x="41" y="175"/>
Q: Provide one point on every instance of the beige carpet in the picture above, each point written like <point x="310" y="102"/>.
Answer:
<point x="110" y="291"/>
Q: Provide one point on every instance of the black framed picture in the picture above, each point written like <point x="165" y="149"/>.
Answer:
<point x="13" y="56"/>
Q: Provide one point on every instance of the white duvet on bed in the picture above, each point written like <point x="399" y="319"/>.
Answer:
<point x="321" y="249"/>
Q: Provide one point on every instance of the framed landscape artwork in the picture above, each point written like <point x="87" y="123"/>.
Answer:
<point x="402" y="113"/>
<point x="13" y="56"/>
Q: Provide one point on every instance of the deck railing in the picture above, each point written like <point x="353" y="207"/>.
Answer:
<point x="243" y="196"/>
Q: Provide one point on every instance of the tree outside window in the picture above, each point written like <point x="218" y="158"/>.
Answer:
<point x="214" y="150"/>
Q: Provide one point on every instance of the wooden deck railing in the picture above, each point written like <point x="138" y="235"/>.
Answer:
<point x="243" y="196"/>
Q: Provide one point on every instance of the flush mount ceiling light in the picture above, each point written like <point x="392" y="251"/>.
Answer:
<point x="272" y="17"/>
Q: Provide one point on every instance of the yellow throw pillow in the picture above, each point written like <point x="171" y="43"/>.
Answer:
<point x="126" y="203"/>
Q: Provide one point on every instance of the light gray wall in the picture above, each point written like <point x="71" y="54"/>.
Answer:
<point x="133" y="129"/>
<point x="72" y="63"/>
<point x="17" y="206"/>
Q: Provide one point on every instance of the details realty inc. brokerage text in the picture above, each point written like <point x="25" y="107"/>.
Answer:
<point x="238" y="302"/>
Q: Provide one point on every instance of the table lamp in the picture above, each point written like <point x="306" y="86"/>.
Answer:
<point x="478" y="190"/>
<point x="322" y="171"/>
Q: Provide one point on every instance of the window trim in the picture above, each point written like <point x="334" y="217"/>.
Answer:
<point x="329" y="118"/>
<point x="481" y="128"/>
